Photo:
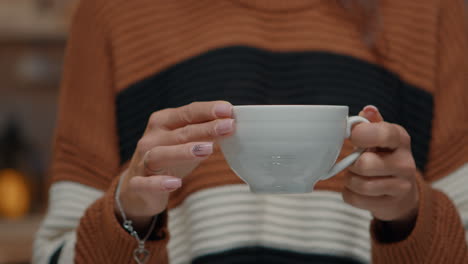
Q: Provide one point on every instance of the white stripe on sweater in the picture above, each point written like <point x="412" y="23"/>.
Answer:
<point x="67" y="204"/>
<point x="455" y="186"/>
<point x="318" y="223"/>
<point x="226" y="217"/>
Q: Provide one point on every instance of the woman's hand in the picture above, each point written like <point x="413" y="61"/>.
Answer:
<point x="383" y="179"/>
<point x="174" y="143"/>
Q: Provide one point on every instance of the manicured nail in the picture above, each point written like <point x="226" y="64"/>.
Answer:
<point x="370" y="111"/>
<point x="224" y="126"/>
<point x="202" y="150"/>
<point x="171" y="184"/>
<point x="371" y="108"/>
<point x="223" y="110"/>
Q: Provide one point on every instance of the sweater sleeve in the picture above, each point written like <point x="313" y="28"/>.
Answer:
<point x="55" y="240"/>
<point x="86" y="141"/>
<point x="101" y="239"/>
<point x="439" y="234"/>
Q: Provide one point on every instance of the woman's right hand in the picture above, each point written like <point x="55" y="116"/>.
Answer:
<point x="175" y="141"/>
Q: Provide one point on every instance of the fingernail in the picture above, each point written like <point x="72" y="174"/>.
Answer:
<point x="370" y="111"/>
<point x="172" y="183"/>
<point x="224" y="126"/>
<point x="371" y="108"/>
<point x="223" y="110"/>
<point x="202" y="150"/>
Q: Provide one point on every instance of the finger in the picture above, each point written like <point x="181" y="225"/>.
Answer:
<point x="398" y="163"/>
<point x="193" y="113"/>
<point x="405" y="138"/>
<point x="366" y="202"/>
<point x="201" y="132"/>
<point x="151" y="184"/>
<point x="377" y="186"/>
<point x="162" y="157"/>
<point x="371" y="113"/>
<point x="381" y="134"/>
<point x="372" y="164"/>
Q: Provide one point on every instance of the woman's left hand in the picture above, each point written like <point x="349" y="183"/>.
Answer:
<point x="383" y="179"/>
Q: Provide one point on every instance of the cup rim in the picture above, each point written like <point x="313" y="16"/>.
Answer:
<point x="292" y="106"/>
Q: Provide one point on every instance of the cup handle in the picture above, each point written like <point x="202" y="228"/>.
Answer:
<point x="348" y="160"/>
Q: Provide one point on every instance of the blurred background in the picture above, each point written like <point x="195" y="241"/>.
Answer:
<point x="33" y="35"/>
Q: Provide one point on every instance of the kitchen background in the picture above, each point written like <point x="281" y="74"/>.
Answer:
<point x="33" y="35"/>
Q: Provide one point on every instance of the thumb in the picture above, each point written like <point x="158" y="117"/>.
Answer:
<point x="371" y="113"/>
<point x="156" y="183"/>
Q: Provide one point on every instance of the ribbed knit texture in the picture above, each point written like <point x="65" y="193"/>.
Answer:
<point x="450" y="128"/>
<point x="218" y="220"/>
<point x="115" y="244"/>
<point x="66" y="206"/>
<point x="246" y="75"/>
<point x="438" y="221"/>
<point x="118" y="46"/>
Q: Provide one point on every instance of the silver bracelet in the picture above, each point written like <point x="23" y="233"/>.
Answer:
<point x="140" y="254"/>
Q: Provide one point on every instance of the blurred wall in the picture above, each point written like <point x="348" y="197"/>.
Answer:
<point x="33" y="36"/>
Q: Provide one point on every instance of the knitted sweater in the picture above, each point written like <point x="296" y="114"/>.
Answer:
<point x="128" y="59"/>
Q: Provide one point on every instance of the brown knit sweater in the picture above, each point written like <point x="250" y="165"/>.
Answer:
<point x="127" y="59"/>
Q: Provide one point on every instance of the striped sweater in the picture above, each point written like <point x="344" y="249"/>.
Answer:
<point x="127" y="59"/>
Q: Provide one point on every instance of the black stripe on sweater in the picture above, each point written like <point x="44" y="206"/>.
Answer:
<point x="255" y="255"/>
<point x="246" y="75"/>
<point x="55" y="257"/>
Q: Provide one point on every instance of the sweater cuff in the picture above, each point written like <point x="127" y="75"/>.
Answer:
<point x="415" y="247"/>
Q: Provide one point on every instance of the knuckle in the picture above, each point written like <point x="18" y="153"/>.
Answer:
<point x="406" y="166"/>
<point x="385" y="133"/>
<point x="153" y="184"/>
<point x="159" y="185"/>
<point x="405" y="138"/>
<point x="405" y="186"/>
<point x="364" y="163"/>
<point x="394" y="135"/>
<point x="366" y="187"/>
<point x="156" y="118"/>
<point x="204" y="131"/>
<point x="186" y="113"/>
<point x="156" y="153"/>
<point x="358" y="135"/>
<point x="210" y="132"/>
<point x="143" y="145"/>
<point x="183" y="134"/>
<point x="134" y="184"/>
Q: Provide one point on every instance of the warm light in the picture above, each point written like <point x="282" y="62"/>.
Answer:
<point x="14" y="194"/>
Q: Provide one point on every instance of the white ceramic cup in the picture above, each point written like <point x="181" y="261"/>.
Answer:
<point x="288" y="148"/>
